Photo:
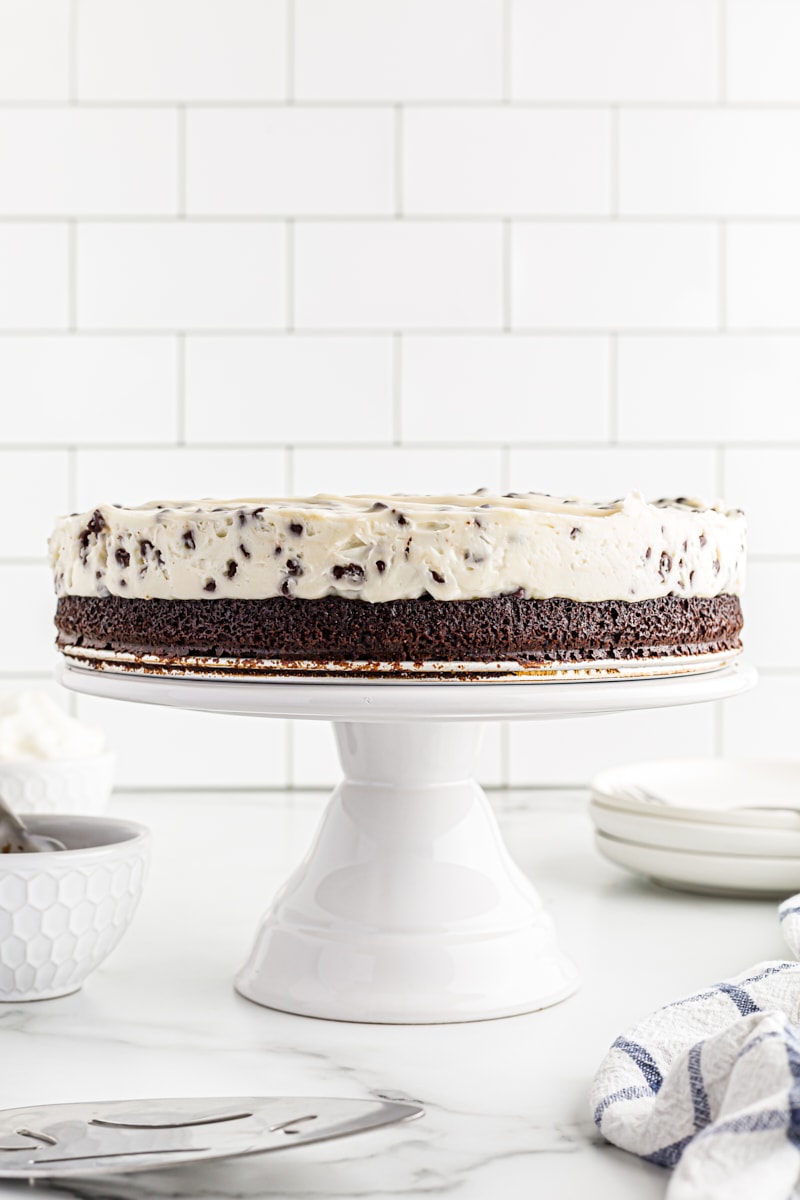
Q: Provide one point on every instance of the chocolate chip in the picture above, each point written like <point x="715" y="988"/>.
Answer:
<point x="231" y="568"/>
<point x="123" y="583"/>
<point x="716" y="565"/>
<point x="97" y="523"/>
<point x="380" y="566"/>
<point x="703" y="540"/>
<point x="210" y="585"/>
<point x="244" y="551"/>
<point x="685" y="546"/>
<point x="477" y="522"/>
<point x="439" y="578"/>
<point x="278" y="551"/>
<point x="97" y="575"/>
<point x="286" y="588"/>
<point x="242" y="517"/>
<point x="573" y="533"/>
<point x="122" y="557"/>
<point x="691" y="576"/>
<point x="401" y="520"/>
<point x="664" y="565"/>
<point x="378" y="507"/>
<point x="258" y="511"/>
<point x="296" y="528"/>
<point x="351" y="571"/>
<point x="648" y="552"/>
<point x="407" y="550"/>
<point x="293" y="566"/>
<point x="188" y="540"/>
<point x="145" y="546"/>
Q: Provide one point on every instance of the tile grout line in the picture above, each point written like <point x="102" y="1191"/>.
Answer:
<point x="72" y="276"/>
<point x="72" y="477"/>
<point x="289" y="750"/>
<point x="505" y="754"/>
<point x="412" y="445"/>
<point x="289" y="64"/>
<point x="532" y="332"/>
<point x="289" y="286"/>
<point x="507" y="254"/>
<point x="180" y="377"/>
<point x="397" y="389"/>
<point x="73" y="52"/>
<point x="595" y="217"/>
<point x="613" y="389"/>
<point x="182" y="165"/>
<point x="719" y="467"/>
<point x="718" y="727"/>
<point x="722" y="50"/>
<point x="505" y="467"/>
<point x="722" y="282"/>
<point x="488" y="102"/>
<point x="506" y="51"/>
<point x="614" y="167"/>
<point x="399" y="147"/>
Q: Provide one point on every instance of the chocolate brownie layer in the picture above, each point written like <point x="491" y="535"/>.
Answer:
<point x="500" y="628"/>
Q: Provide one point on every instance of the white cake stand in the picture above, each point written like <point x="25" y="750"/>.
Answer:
<point x="407" y="907"/>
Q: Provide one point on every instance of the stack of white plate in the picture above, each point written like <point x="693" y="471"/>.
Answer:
<point x="703" y="825"/>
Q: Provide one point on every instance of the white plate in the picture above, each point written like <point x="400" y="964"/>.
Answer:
<point x="717" y="791"/>
<point x="720" y="874"/>
<point x="705" y="837"/>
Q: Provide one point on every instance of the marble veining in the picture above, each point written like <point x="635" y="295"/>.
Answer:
<point x="506" y="1101"/>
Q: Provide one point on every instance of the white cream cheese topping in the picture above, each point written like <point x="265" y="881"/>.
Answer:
<point x="379" y="548"/>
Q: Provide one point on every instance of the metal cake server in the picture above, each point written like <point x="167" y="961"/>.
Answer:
<point x="85" y="1139"/>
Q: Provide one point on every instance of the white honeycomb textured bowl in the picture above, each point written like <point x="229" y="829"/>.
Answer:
<point x="62" y="913"/>
<point x="75" y="785"/>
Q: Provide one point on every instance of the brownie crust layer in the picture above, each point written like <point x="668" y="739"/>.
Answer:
<point x="503" y="628"/>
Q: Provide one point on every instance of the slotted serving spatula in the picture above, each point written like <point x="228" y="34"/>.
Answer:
<point x="102" y="1138"/>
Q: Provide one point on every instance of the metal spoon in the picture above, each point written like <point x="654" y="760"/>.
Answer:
<point x="15" y="839"/>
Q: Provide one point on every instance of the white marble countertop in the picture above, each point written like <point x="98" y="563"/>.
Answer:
<point x="506" y="1101"/>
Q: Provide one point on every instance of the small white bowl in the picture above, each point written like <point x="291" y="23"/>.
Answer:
<point x="63" y="912"/>
<point x="64" y="785"/>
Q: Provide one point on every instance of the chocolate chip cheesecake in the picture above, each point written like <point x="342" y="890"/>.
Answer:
<point x="400" y="581"/>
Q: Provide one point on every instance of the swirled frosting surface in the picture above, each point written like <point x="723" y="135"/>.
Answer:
<point x="379" y="548"/>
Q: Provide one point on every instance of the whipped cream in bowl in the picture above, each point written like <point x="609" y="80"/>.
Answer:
<point x="49" y="761"/>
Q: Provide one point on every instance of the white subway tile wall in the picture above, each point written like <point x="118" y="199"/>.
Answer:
<point x="264" y="246"/>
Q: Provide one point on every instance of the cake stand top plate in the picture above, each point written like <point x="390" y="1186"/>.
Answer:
<point x="381" y="701"/>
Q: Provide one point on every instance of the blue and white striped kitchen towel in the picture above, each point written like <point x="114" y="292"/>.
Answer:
<point x="710" y="1085"/>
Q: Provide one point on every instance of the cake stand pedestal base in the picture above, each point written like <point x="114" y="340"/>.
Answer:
<point x="408" y="907"/>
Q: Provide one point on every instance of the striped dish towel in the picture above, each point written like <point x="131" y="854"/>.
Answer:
<point x="710" y="1085"/>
